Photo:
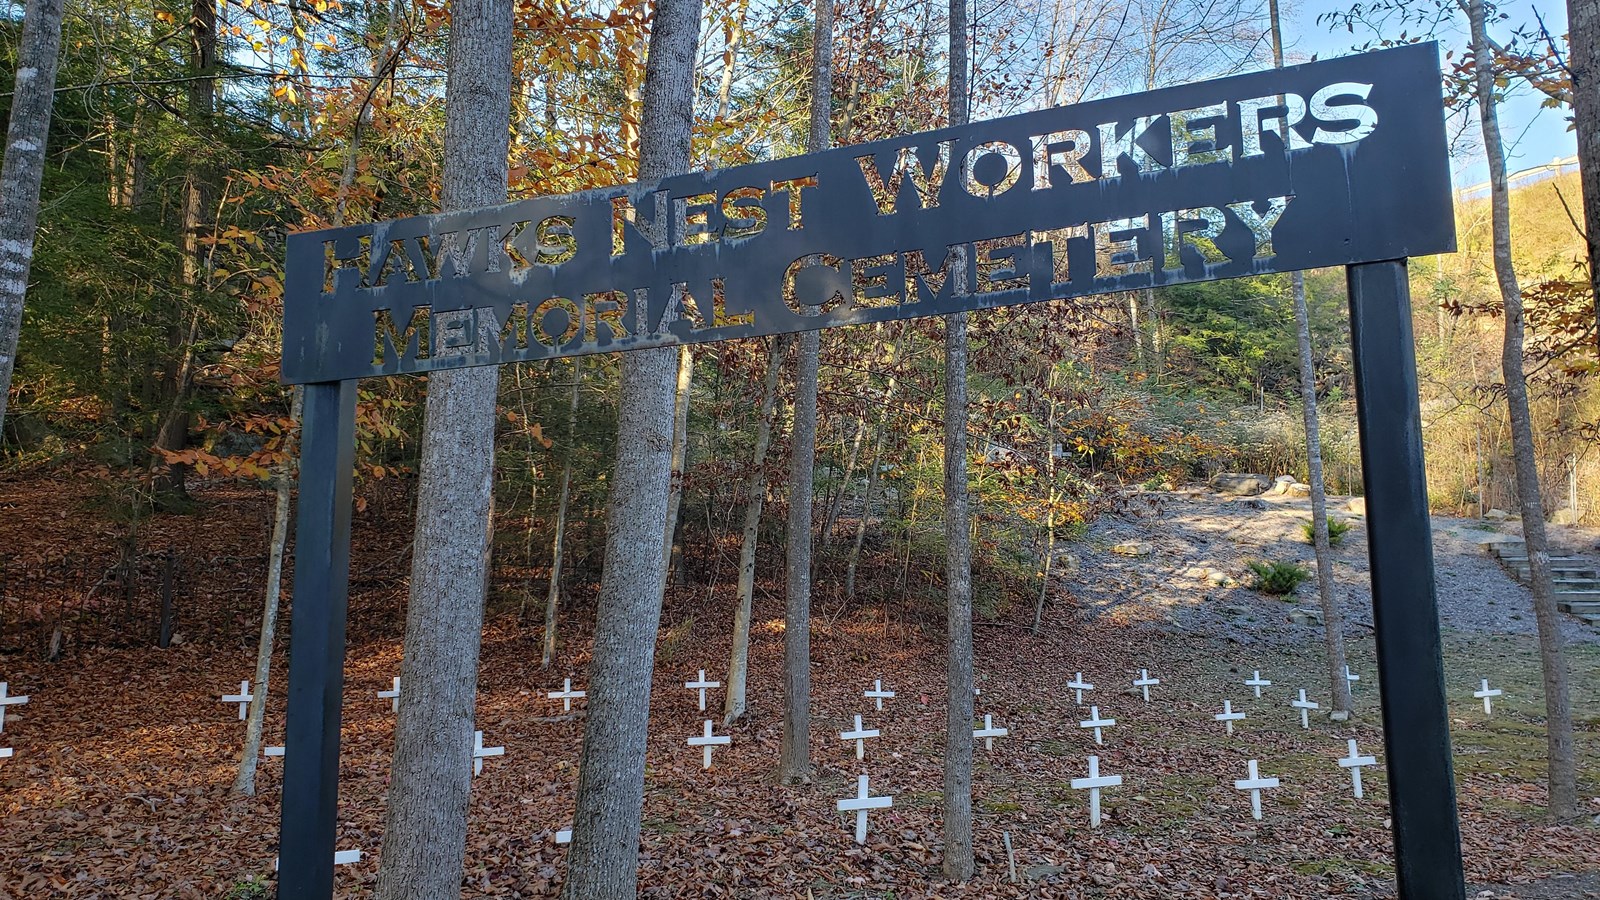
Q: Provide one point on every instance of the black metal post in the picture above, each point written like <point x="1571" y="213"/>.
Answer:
<point x="1416" y="720"/>
<point x="316" y="643"/>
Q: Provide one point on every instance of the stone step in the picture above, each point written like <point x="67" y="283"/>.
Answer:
<point x="1580" y="608"/>
<point x="1590" y="620"/>
<point x="1523" y="560"/>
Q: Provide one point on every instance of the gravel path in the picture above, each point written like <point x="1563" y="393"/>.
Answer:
<point x="1179" y="559"/>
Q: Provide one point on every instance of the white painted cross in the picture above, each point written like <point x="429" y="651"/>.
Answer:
<point x="566" y="695"/>
<point x="242" y="698"/>
<point x="1258" y="683"/>
<point x="1079" y="685"/>
<point x="1093" y="784"/>
<point x="1228" y="716"/>
<point x="1354" y="762"/>
<point x="988" y="732"/>
<point x="392" y="696"/>
<point x="1305" y="706"/>
<point x="878" y="694"/>
<point x="707" y="741"/>
<point x="1350" y="677"/>
<point x="480" y="753"/>
<point x="859" y="804"/>
<point x="1255" y="784"/>
<point x="340" y="858"/>
<point x="859" y="735"/>
<point x="1144" y="682"/>
<point x="271" y="751"/>
<point x="18" y="701"/>
<point x="701" y="685"/>
<point x="1485" y="695"/>
<point x="1094" y="721"/>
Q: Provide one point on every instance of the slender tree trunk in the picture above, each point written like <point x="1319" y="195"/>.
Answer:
<point x="552" y="600"/>
<point x="794" y="761"/>
<point x="680" y="455"/>
<point x="755" y="492"/>
<point x="1054" y="496"/>
<point x="1583" y="64"/>
<point x="602" y="863"/>
<point x="1332" y="617"/>
<point x="878" y="442"/>
<point x="730" y="55"/>
<point x="244" y="784"/>
<point x="854" y="456"/>
<point x="425" y="829"/>
<point x="958" y="864"/>
<point x="1558" y="706"/>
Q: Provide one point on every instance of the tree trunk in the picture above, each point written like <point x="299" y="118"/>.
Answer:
<point x="1054" y="497"/>
<point x="602" y="862"/>
<point x="244" y="784"/>
<point x="1558" y="707"/>
<point x="553" y="600"/>
<point x="680" y="455"/>
<point x="755" y="492"/>
<point x="1332" y="617"/>
<point x="424" y="835"/>
<point x="730" y="55"/>
<point x="958" y="864"/>
<point x="1583" y="64"/>
<point x="794" y="761"/>
<point x="837" y="501"/>
<point x="878" y="442"/>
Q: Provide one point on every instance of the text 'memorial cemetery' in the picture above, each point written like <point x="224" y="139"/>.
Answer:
<point x="1330" y="163"/>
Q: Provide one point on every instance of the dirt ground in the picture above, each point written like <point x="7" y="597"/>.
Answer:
<point x="119" y="786"/>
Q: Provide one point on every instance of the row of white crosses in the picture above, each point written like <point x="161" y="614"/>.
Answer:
<point x="863" y="801"/>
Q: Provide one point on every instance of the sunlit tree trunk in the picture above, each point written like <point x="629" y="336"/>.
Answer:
<point x="425" y="828"/>
<point x="552" y="600"/>
<point x="1558" y="706"/>
<point x="602" y="862"/>
<point x="755" y="493"/>
<point x="1583" y="65"/>
<point x="958" y="862"/>
<point x="680" y="455"/>
<point x="26" y="138"/>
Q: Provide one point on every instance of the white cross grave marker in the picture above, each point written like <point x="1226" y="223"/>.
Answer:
<point x="1258" y="683"/>
<point x="1094" y="721"/>
<point x="1354" y="762"/>
<point x="859" y="804"/>
<point x="1305" y="706"/>
<point x="877" y="695"/>
<point x="1079" y="685"/>
<point x="340" y="858"/>
<point x="1093" y="784"/>
<point x="5" y="752"/>
<point x="242" y="698"/>
<point x="1350" y="677"/>
<point x="270" y="752"/>
<point x="393" y="696"/>
<point x="988" y="732"/>
<point x="1228" y="716"/>
<point x="701" y="684"/>
<point x="1484" y="695"/>
<point x="18" y="701"/>
<point x="1144" y="682"/>
<point x="480" y="753"/>
<point x="707" y="741"/>
<point x="859" y="735"/>
<point x="1255" y="784"/>
<point x="566" y="695"/>
<point x="564" y="836"/>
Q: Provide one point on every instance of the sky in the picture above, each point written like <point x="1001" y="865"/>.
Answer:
<point x="1533" y="136"/>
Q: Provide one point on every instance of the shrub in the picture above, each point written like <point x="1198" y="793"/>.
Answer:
<point x="1278" y="577"/>
<point x="252" y="889"/>
<point x="1337" y="528"/>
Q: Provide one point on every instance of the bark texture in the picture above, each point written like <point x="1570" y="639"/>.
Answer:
<point x="26" y="137"/>
<point x="424" y="835"/>
<point x="1583" y="65"/>
<point x="958" y="864"/>
<point x="755" y="492"/>
<point x="1332" y="617"/>
<point x="794" y="760"/>
<point x="602" y="862"/>
<point x="1563" y="790"/>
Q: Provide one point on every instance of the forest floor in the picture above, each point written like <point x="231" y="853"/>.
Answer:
<point x="124" y="756"/>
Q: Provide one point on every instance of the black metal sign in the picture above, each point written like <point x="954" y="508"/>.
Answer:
<point x="1329" y="163"/>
